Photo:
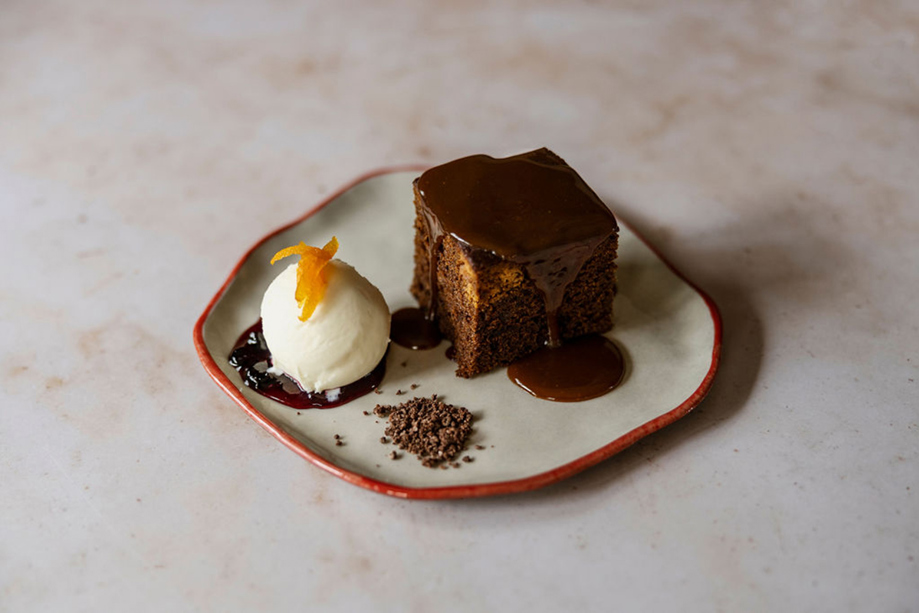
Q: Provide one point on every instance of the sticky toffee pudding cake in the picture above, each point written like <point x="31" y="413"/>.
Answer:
<point x="511" y="255"/>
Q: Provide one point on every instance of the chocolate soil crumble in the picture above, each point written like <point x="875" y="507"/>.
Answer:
<point x="434" y="431"/>
<point x="513" y="257"/>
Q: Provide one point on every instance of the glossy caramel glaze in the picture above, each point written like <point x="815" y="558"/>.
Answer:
<point x="532" y="209"/>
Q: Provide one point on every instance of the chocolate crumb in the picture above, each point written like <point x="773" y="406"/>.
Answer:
<point x="467" y="459"/>
<point x="337" y="436"/>
<point x="383" y="439"/>
<point x="399" y="392"/>
<point x="414" y="386"/>
<point x="393" y="455"/>
<point x="433" y="431"/>
<point x="455" y="464"/>
<point x="377" y="391"/>
<point x="480" y="447"/>
<point x="339" y="443"/>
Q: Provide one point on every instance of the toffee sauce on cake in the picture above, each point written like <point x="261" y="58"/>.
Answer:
<point x="536" y="211"/>
<point x="251" y="359"/>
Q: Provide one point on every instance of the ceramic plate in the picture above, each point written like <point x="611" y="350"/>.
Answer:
<point x="670" y="333"/>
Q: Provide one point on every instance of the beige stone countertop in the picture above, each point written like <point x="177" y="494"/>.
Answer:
<point x="770" y="150"/>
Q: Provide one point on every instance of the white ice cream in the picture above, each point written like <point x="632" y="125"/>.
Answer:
<point x="343" y="340"/>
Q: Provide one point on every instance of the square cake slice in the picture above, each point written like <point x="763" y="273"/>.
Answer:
<point x="512" y="254"/>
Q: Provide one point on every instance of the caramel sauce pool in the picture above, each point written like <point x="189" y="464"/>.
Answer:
<point x="580" y="369"/>
<point x="412" y="328"/>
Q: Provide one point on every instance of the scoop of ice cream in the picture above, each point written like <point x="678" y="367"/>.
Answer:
<point x="343" y="340"/>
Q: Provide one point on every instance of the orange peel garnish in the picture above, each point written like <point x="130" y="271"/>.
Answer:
<point x="311" y="274"/>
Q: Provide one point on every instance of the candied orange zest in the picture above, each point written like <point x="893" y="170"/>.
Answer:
<point x="311" y="278"/>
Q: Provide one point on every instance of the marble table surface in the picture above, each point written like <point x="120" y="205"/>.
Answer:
<point x="770" y="150"/>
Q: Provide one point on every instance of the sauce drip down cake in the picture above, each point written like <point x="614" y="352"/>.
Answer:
<point x="512" y="255"/>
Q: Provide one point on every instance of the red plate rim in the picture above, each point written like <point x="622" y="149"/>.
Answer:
<point x="457" y="491"/>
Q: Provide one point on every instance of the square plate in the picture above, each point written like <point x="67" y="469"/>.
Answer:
<point x="669" y="332"/>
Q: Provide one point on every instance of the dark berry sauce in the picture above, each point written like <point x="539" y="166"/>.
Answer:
<point x="251" y="359"/>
